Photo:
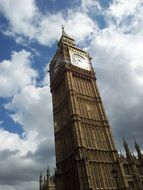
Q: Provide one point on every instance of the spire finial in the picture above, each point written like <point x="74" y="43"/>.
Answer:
<point x="65" y="38"/>
<point x="133" y="153"/>
<point x="124" y="142"/>
<point x="62" y="29"/>
<point x="44" y="180"/>
<point x="126" y="146"/>
<point x="40" y="181"/>
<point x="136" y="145"/>
<point x="40" y="175"/>
<point x="48" y="171"/>
<point x="120" y="152"/>
<point x="134" y="140"/>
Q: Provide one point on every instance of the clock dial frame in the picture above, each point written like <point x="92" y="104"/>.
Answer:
<point x="80" y="60"/>
<point x="77" y="59"/>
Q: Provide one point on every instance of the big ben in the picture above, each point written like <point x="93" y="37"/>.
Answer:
<point x="86" y="154"/>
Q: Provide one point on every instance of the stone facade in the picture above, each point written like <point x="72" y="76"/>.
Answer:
<point x="86" y="154"/>
<point x="132" y="169"/>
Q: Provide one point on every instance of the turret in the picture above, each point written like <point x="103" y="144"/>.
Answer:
<point x="128" y="153"/>
<point x="140" y="156"/>
<point x="66" y="39"/>
<point x="48" y="176"/>
<point x="44" y="181"/>
<point x="133" y="168"/>
<point x="40" y="181"/>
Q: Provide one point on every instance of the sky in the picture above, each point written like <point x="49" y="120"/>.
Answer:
<point x="110" y="30"/>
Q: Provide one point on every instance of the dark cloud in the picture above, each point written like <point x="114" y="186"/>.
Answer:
<point x="45" y="153"/>
<point x="5" y="154"/>
<point x="122" y="96"/>
<point x="27" y="168"/>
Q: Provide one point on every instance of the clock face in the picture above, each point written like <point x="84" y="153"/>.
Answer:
<point x="80" y="61"/>
<point x="77" y="59"/>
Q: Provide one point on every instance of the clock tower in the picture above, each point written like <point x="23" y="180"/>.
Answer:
<point x="86" y="155"/>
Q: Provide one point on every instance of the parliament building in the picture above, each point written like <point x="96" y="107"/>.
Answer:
<point x="86" y="154"/>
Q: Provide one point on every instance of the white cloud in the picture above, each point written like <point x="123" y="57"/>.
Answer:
<point x="117" y="52"/>
<point x="80" y="26"/>
<point x="123" y="8"/>
<point x="45" y="29"/>
<point x="31" y="107"/>
<point x="91" y="6"/>
<point x="16" y="73"/>
<point x="27" y="156"/>
<point x="16" y="11"/>
<point x="127" y="14"/>
<point x="19" y="15"/>
<point x="48" y="29"/>
<point x="33" y="110"/>
<point x="12" y="142"/>
<point x="117" y="57"/>
<point x="49" y="26"/>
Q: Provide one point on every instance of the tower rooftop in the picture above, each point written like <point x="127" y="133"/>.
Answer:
<point x="64" y="33"/>
<point x="65" y="38"/>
